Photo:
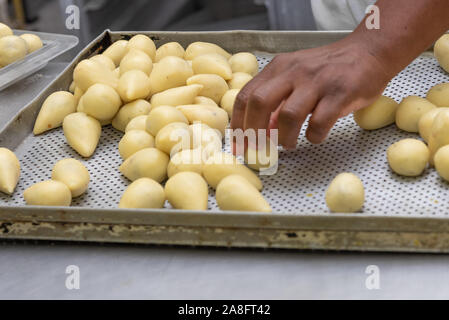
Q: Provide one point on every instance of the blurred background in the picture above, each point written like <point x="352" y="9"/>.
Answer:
<point x="180" y="15"/>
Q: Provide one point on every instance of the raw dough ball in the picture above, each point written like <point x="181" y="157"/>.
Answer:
<point x="161" y="116"/>
<point x="9" y="171"/>
<point x="12" y="48"/>
<point x="138" y="123"/>
<point x="117" y="51"/>
<point x="408" y="157"/>
<point x="212" y="63"/>
<point x="441" y="161"/>
<point x="236" y="193"/>
<point x="130" y="111"/>
<point x="133" y="85"/>
<point x="144" y="43"/>
<point x="73" y="174"/>
<point x="146" y="163"/>
<point x="170" y="72"/>
<point x="410" y="110"/>
<point x="34" y="42"/>
<point x="380" y="114"/>
<point x="48" y="193"/>
<point x="239" y="80"/>
<point x="228" y="100"/>
<point x="196" y="49"/>
<point x="55" y="108"/>
<point x="133" y="141"/>
<point x="426" y="122"/>
<point x="213" y="86"/>
<point x="169" y="49"/>
<point x="101" y="102"/>
<point x="441" y="51"/>
<point x="144" y="193"/>
<point x="5" y="30"/>
<point x="244" y="62"/>
<point x="174" y="137"/>
<point x="187" y="191"/>
<point x="262" y="158"/>
<point x="105" y="61"/>
<point x="136" y="60"/>
<point x="439" y="95"/>
<point x="345" y="194"/>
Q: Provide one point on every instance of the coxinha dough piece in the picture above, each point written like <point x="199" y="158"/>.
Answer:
<point x="55" y="108"/>
<point x="33" y="41"/>
<point x="221" y="165"/>
<point x="137" y="123"/>
<point x="73" y="174"/>
<point x="439" y="135"/>
<point x="146" y="163"/>
<point x="439" y="95"/>
<point x="408" y="157"/>
<point x="136" y="60"/>
<point x="176" y="96"/>
<point x="187" y="191"/>
<point x="9" y="171"/>
<point x="162" y="116"/>
<point x="198" y="48"/>
<point x="228" y="100"/>
<point x="130" y="111"/>
<point x="169" y="49"/>
<point x="214" y="117"/>
<point x="244" y="62"/>
<point x="380" y="114"/>
<point x="101" y="102"/>
<point x="170" y="72"/>
<point x="133" y="141"/>
<point x="144" y="193"/>
<point x="410" y="110"/>
<point x="214" y="86"/>
<point x="426" y="122"/>
<point x="12" y="49"/>
<point x="5" y="30"/>
<point x="186" y="160"/>
<point x="48" y="193"/>
<point x="441" y="51"/>
<point x="133" y="85"/>
<point x="117" y="51"/>
<point x="82" y="133"/>
<point x="212" y="63"/>
<point x="345" y="194"/>
<point x="235" y="193"/>
<point x="89" y="72"/>
<point x="441" y="160"/>
<point x="104" y="60"/>
<point x="144" y="43"/>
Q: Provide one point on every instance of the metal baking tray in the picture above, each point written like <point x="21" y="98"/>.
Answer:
<point x="53" y="46"/>
<point x="400" y="214"/>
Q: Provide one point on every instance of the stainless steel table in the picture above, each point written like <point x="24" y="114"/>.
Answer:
<point x="38" y="269"/>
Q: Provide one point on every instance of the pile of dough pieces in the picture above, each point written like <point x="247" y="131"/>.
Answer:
<point x="173" y="105"/>
<point x="14" y="48"/>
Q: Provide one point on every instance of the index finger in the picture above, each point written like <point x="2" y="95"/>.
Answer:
<point x="241" y="102"/>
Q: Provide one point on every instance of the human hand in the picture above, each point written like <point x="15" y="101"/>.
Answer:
<point x="328" y="82"/>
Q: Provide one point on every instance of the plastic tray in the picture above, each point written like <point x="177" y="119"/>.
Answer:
<point x="53" y="46"/>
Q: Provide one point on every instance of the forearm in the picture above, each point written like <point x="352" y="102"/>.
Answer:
<point x="407" y="28"/>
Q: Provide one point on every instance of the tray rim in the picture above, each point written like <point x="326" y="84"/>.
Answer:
<point x="333" y="223"/>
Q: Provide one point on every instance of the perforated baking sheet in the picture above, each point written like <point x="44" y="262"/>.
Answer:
<point x="303" y="174"/>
